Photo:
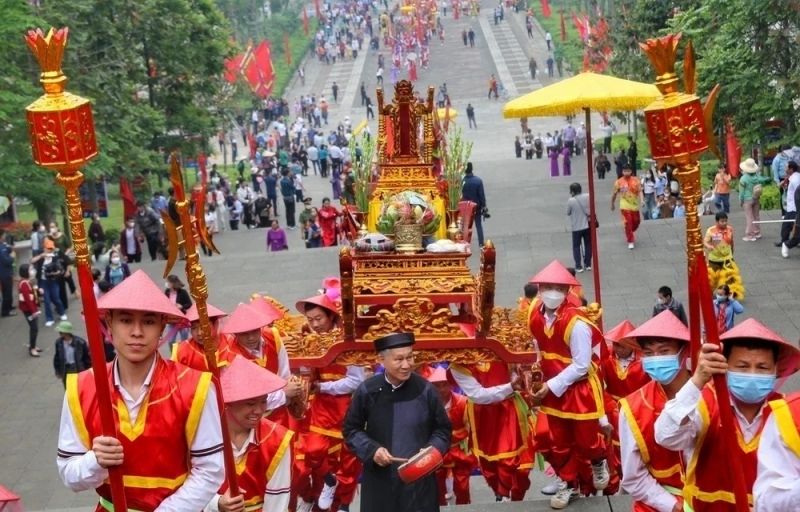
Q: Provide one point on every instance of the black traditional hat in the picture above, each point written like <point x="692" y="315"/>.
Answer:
<point x="394" y="340"/>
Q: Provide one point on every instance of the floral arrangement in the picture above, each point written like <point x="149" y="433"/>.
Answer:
<point x="362" y="168"/>
<point x="408" y="208"/>
<point x="457" y="153"/>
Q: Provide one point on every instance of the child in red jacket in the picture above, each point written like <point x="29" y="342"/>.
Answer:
<point x="29" y="305"/>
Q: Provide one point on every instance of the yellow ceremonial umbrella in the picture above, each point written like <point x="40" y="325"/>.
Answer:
<point x="447" y="113"/>
<point x="585" y="91"/>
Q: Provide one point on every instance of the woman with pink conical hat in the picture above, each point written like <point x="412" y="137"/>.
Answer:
<point x="244" y="329"/>
<point x="754" y="360"/>
<point x="190" y="352"/>
<point x="651" y="474"/>
<point x="572" y="394"/>
<point x="162" y="408"/>
<point x="334" y="386"/>
<point x="262" y="448"/>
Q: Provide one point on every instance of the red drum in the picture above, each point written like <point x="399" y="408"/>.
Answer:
<point x="420" y="465"/>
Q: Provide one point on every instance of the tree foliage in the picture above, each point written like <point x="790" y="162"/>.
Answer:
<point x="750" y="48"/>
<point x="18" y="88"/>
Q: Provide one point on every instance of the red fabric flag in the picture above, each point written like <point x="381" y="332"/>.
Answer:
<point x="128" y="199"/>
<point x="563" y="27"/>
<point x="286" y="49"/>
<point x="546" y="12"/>
<point x="316" y="8"/>
<point x="251" y="145"/>
<point x="305" y="21"/>
<point x="257" y="69"/>
<point x="202" y="165"/>
<point x="733" y="150"/>
<point x="233" y="68"/>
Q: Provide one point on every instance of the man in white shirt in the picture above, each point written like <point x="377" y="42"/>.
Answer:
<point x="261" y="448"/>
<point x="571" y="395"/>
<point x="185" y="434"/>
<point x="777" y="487"/>
<point x="790" y="229"/>
<point x="652" y="475"/>
<point x="752" y="358"/>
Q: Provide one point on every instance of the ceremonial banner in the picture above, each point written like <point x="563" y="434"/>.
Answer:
<point x="563" y="27"/>
<point x="546" y="12"/>
<point x="733" y="150"/>
<point x="305" y="22"/>
<point x="233" y="68"/>
<point x="128" y="199"/>
<point x="286" y="49"/>
<point x="258" y="71"/>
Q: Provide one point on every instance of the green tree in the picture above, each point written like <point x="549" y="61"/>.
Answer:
<point x="152" y="69"/>
<point x="751" y="49"/>
<point x="19" y="88"/>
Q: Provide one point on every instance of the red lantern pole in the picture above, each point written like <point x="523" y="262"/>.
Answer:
<point x="677" y="128"/>
<point x="62" y="139"/>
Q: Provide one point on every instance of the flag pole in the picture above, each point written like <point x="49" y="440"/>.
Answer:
<point x="62" y="133"/>
<point x="198" y="287"/>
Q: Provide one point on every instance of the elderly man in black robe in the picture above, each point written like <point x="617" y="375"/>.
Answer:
<point x="393" y="415"/>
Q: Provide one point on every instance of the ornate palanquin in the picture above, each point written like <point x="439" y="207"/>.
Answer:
<point x="434" y="295"/>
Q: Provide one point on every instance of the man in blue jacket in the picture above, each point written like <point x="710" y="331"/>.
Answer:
<point x="7" y="256"/>
<point x="472" y="190"/>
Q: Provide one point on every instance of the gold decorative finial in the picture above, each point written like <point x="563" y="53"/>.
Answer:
<point x="49" y="52"/>
<point x="662" y="53"/>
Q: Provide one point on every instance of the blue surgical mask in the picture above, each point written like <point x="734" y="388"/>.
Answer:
<point x="750" y="388"/>
<point x="662" y="369"/>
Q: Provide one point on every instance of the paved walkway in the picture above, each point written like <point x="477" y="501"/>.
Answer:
<point x="528" y="226"/>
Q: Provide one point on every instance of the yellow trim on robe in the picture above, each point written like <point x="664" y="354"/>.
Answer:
<point x="333" y="449"/>
<point x="196" y="409"/>
<point x="595" y="385"/>
<point x="147" y="482"/>
<point x="276" y="459"/>
<point x="74" y="403"/>
<point x="174" y="354"/>
<point x="556" y="357"/>
<point x="276" y="336"/>
<point x="637" y="434"/>
<point x="476" y="448"/>
<point x="325" y="432"/>
<point x="786" y="426"/>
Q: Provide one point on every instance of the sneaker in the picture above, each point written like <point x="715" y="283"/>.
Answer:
<point x="63" y="317"/>
<point x="553" y="487"/>
<point x="501" y="499"/>
<point x="749" y="239"/>
<point x="630" y="245"/>
<point x="588" y="268"/>
<point x="579" y="270"/>
<point x="758" y="236"/>
<point x="49" y="323"/>
<point x="303" y="506"/>
<point x="600" y="475"/>
<point x="784" y="251"/>
<point x="563" y="498"/>
<point x="328" y="490"/>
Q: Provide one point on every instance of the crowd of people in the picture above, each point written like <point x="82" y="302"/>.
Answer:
<point x="615" y="410"/>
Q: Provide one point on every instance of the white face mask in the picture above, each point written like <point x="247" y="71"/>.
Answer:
<point x="553" y="298"/>
<point x="115" y="260"/>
